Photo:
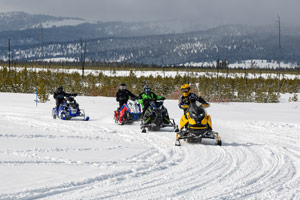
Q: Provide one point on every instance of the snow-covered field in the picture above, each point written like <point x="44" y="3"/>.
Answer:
<point x="181" y="72"/>
<point x="256" y="63"/>
<point x="43" y="158"/>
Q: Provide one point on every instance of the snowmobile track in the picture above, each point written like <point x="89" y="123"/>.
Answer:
<point x="100" y="160"/>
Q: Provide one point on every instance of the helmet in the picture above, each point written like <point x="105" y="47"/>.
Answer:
<point x="185" y="89"/>
<point x="60" y="88"/>
<point x="122" y="86"/>
<point x="147" y="89"/>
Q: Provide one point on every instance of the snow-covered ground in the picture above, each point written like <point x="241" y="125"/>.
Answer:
<point x="43" y="158"/>
<point x="64" y="22"/>
<point x="180" y="72"/>
<point x="59" y="59"/>
<point x="246" y="64"/>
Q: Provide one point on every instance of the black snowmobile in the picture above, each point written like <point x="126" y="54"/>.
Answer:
<point x="156" y="117"/>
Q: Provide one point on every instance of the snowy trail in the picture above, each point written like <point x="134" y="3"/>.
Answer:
<point x="43" y="158"/>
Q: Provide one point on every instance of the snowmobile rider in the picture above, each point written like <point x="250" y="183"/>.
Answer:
<point x="59" y="95"/>
<point x="147" y="95"/>
<point x="187" y="97"/>
<point x="123" y="95"/>
<point x="144" y="100"/>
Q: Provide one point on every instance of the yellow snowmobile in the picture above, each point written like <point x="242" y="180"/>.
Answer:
<point x="195" y="124"/>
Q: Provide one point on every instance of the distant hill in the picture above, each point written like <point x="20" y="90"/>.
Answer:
<point x="148" y="42"/>
<point x="12" y="21"/>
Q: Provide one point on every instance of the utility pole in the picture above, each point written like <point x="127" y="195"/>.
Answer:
<point x="218" y="65"/>
<point x="163" y="86"/>
<point x="226" y="65"/>
<point x="188" y="70"/>
<point x="14" y="64"/>
<point x="245" y="77"/>
<point x="298" y="70"/>
<point x="162" y="64"/>
<point x="189" y="66"/>
<point x="279" y="47"/>
<point x="42" y="43"/>
<point x="9" y="53"/>
<point x="82" y="55"/>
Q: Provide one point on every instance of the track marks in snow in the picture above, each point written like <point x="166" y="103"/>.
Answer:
<point x="274" y="161"/>
<point x="259" y="160"/>
<point x="248" y="170"/>
<point x="235" y="170"/>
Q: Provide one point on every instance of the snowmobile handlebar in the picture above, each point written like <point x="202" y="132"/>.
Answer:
<point x="160" y="100"/>
<point x="198" y="103"/>
<point x="134" y="98"/>
<point x="205" y="105"/>
<point x="71" y="95"/>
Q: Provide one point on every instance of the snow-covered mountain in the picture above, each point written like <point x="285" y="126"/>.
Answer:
<point x="12" y="21"/>
<point x="233" y="43"/>
<point x="146" y="42"/>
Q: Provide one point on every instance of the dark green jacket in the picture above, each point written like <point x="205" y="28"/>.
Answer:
<point x="144" y="96"/>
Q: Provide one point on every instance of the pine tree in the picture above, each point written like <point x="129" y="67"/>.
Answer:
<point x="294" y="98"/>
<point x="43" y="96"/>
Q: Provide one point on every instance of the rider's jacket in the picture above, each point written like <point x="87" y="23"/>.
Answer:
<point x="143" y="97"/>
<point x="184" y="102"/>
<point x="122" y="96"/>
<point x="58" y="95"/>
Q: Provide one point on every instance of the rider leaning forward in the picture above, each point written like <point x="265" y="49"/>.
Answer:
<point x="144" y="99"/>
<point x="187" y="97"/>
<point x="147" y="95"/>
<point x="122" y="97"/>
<point x="60" y="94"/>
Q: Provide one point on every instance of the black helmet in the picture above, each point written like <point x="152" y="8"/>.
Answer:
<point x="60" y="88"/>
<point x="122" y="86"/>
<point x="147" y="89"/>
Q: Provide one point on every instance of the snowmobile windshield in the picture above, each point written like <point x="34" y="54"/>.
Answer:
<point x="71" y="99"/>
<point x="159" y="103"/>
<point x="195" y="109"/>
<point x="155" y="104"/>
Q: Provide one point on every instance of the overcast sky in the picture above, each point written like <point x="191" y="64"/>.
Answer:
<point x="206" y="11"/>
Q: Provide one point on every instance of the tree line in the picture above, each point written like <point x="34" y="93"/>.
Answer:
<point x="212" y="88"/>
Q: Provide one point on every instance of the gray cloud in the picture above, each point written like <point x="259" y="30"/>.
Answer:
<point x="204" y="11"/>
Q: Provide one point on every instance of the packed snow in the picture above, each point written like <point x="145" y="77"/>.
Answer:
<point x="45" y="158"/>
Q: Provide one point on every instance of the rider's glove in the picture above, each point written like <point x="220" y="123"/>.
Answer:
<point x="184" y="106"/>
<point x="205" y="105"/>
